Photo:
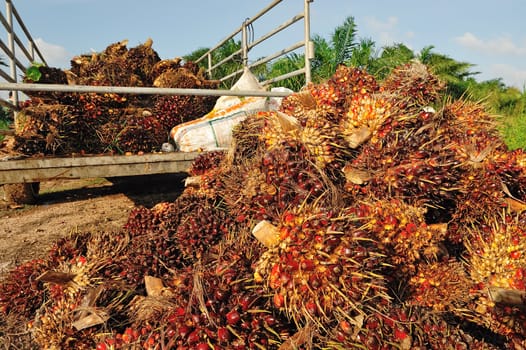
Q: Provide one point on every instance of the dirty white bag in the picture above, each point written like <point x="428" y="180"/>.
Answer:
<point x="275" y="102"/>
<point x="214" y="130"/>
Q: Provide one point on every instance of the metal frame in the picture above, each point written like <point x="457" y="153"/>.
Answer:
<point x="15" y="46"/>
<point x="246" y="45"/>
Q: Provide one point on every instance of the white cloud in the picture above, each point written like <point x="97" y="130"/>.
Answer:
<point x="511" y="76"/>
<point x="410" y="35"/>
<point x="380" y="26"/>
<point x="382" y="30"/>
<point x="498" y="45"/>
<point x="55" y="55"/>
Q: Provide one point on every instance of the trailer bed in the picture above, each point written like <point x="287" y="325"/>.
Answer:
<point x="31" y="169"/>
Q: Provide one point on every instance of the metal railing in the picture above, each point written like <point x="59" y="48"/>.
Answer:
<point x="18" y="55"/>
<point x="246" y="46"/>
<point x="21" y="57"/>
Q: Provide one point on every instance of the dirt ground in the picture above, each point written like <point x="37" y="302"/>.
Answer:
<point x="67" y="207"/>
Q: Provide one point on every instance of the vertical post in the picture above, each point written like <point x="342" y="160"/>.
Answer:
<point x="32" y="50"/>
<point x="244" y="44"/>
<point x="209" y="59"/>
<point x="11" y="45"/>
<point x="309" y="45"/>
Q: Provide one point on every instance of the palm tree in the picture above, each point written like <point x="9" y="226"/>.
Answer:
<point x="391" y="57"/>
<point x="329" y="54"/>
<point x="285" y="65"/>
<point x="454" y="73"/>
<point x="362" y="54"/>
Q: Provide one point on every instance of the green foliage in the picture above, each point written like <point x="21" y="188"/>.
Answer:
<point x="452" y="72"/>
<point x="285" y="65"/>
<point x="229" y="48"/>
<point x="4" y="121"/>
<point x="343" y="40"/>
<point x="362" y="54"/>
<point x="196" y="54"/>
<point x="390" y="58"/>
<point x="510" y="105"/>
<point x="513" y="129"/>
<point x="33" y="72"/>
<point x="329" y="54"/>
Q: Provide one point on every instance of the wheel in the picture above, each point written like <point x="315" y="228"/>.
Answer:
<point x="23" y="193"/>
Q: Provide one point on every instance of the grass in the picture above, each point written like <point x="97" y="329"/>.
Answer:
<point x="513" y="129"/>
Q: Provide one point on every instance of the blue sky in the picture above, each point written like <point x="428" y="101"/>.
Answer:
<point x="487" y="33"/>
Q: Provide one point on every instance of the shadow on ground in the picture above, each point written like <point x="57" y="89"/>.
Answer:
<point x="146" y="190"/>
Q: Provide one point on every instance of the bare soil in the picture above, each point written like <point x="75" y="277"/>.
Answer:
<point x="68" y="207"/>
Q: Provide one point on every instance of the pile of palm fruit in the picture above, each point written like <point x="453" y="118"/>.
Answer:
<point x="363" y="214"/>
<point x="60" y="123"/>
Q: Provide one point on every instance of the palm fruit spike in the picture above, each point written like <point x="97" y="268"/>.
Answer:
<point x="480" y="194"/>
<point x="408" y="327"/>
<point x="315" y="101"/>
<point x="363" y="119"/>
<point x="402" y="228"/>
<point x="216" y="302"/>
<point x="471" y="122"/>
<point x="497" y="265"/>
<point x="322" y="266"/>
<point x="440" y="286"/>
<point x="205" y="162"/>
<point x="348" y="82"/>
<point x="53" y="325"/>
<point x="277" y="127"/>
<point x="320" y="144"/>
<point x="498" y="258"/>
<point x="246" y="138"/>
<point x="412" y="86"/>
<point x="318" y="136"/>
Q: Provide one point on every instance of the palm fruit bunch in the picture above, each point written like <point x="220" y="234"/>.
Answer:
<point x="402" y="229"/>
<point x="319" y="110"/>
<point x="320" y="265"/>
<point x="412" y="86"/>
<point x="282" y="176"/>
<point x="406" y="235"/>
<point x="150" y="246"/>
<point x="81" y="293"/>
<point x="205" y="162"/>
<point x="204" y="223"/>
<point x="20" y="289"/>
<point x="177" y="109"/>
<point x="406" y="327"/>
<point x="140" y="132"/>
<point x="94" y="123"/>
<point x="497" y="265"/>
<point x="45" y="75"/>
<point x="365" y="115"/>
<point x="212" y="304"/>
<point x="223" y="308"/>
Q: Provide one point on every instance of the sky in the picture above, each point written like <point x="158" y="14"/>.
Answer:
<point x="489" y="34"/>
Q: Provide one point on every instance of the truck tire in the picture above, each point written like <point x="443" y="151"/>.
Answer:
<point x="23" y="193"/>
